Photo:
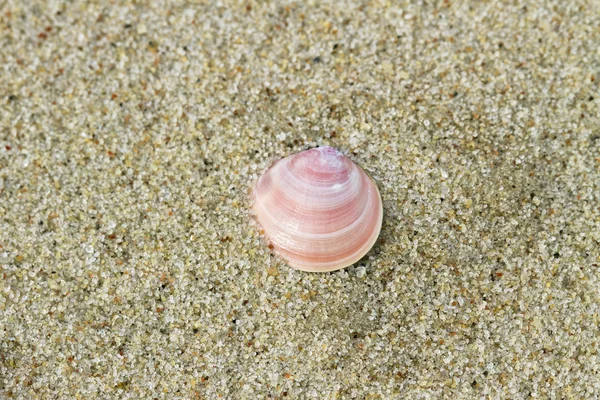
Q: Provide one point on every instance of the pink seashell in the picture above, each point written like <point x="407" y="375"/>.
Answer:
<point x="320" y="210"/>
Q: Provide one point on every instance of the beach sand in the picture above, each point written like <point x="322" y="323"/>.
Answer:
<point x="131" y="133"/>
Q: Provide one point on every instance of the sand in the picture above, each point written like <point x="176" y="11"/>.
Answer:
<point x="132" y="131"/>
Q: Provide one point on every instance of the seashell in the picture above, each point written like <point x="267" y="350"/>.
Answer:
<point x="319" y="210"/>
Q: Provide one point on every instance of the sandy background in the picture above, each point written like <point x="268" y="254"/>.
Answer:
<point x="131" y="131"/>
